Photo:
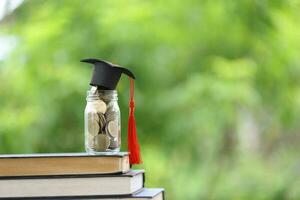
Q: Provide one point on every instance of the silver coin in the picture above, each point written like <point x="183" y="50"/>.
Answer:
<point x="113" y="128"/>
<point x="102" y="121"/>
<point x="99" y="106"/>
<point x="93" y="123"/>
<point x="93" y="116"/>
<point x="102" y="142"/>
<point x="111" y="115"/>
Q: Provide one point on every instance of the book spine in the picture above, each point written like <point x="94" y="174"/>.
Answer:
<point x="144" y="179"/>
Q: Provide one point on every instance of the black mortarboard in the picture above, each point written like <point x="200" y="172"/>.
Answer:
<point x="105" y="74"/>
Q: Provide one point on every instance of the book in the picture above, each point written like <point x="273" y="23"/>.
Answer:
<point x="143" y="194"/>
<point x="72" y="185"/>
<point x="149" y="193"/>
<point x="63" y="164"/>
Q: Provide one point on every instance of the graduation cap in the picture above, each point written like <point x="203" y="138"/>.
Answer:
<point x="106" y="77"/>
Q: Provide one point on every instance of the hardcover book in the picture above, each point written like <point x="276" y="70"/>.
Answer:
<point x="72" y="185"/>
<point x="63" y="164"/>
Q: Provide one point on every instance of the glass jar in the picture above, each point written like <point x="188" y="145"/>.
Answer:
<point x="102" y="125"/>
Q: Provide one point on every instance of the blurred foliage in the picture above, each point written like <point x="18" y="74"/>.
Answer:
<point x="217" y="89"/>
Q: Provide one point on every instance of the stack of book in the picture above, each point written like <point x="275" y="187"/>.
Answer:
<point x="73" y="176"/>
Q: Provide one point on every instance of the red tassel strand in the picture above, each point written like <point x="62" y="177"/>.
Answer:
<point x="133" y="144"/>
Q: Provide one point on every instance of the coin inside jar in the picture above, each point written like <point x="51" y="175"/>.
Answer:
<point x="93" y="124"/>
<point x="102" y="121"/>
<point x="113" y="128"/>
<point x="111" y="115"/>
<point x="102" y="142"/>
<point x="114" y="143"/>
<point x="99" y="106"/>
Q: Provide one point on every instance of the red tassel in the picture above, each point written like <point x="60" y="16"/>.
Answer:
<point x="133" y="144"/>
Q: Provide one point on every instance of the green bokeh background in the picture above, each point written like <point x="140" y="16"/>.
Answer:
<point x="217" y="89"/>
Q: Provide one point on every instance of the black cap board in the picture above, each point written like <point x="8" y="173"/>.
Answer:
<point x="106" y="75"/>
